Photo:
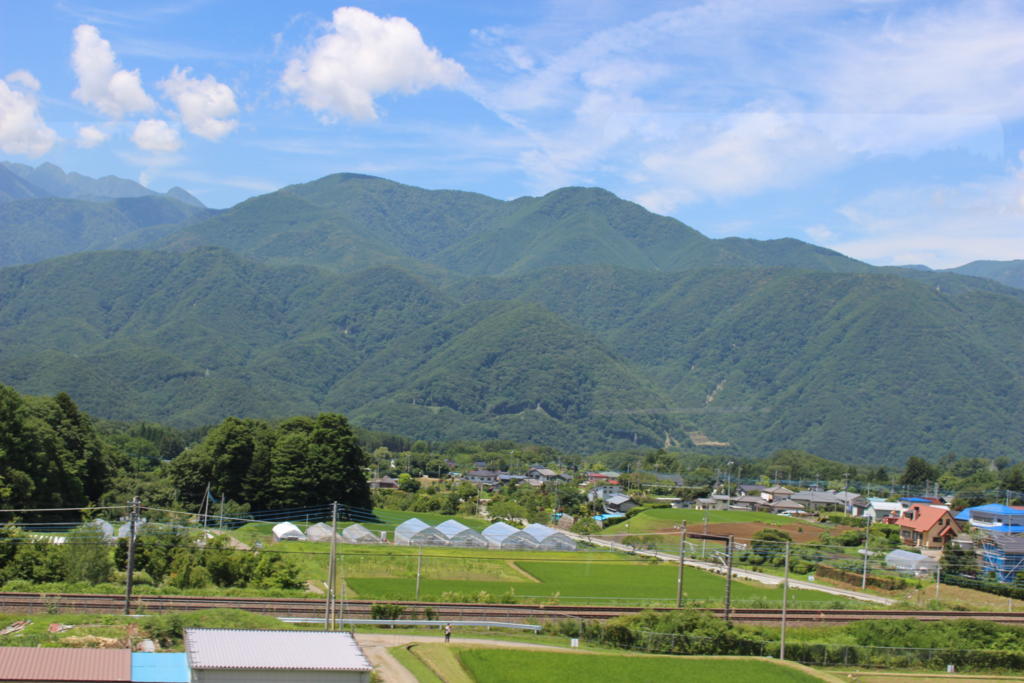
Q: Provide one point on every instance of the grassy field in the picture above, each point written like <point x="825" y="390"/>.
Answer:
<point x="660" y="519"/>
<point x="386" y="572"/>
<point x="581" y="578"/>
<point x="501" y="666"/>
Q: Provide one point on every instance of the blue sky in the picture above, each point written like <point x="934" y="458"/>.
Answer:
<point x="890" y="131"/>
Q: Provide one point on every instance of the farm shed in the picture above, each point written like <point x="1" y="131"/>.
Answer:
<point x="321" y="531"/>
<point x="64" y="664"/>
<point x="286" y="531"/>
<point x="548" y="538"/>
<point x="226" y="655"/>
<point x="911" y="563"/>
<point x="417" y="532"/>
<point x="506" y="536"/>
<point x="357" y="533"/>
<point x="460" y="535"/>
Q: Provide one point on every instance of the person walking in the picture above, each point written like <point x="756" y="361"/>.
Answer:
<point x="447" y="632"/>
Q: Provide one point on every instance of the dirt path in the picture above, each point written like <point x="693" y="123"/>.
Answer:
<point x="387" y="668"/>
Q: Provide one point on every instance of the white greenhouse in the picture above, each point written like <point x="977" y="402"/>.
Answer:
<point x="321" y="531"/>
<point x="506" y="537"/>
<point x="549" y="539"/>
<point x="104" y="527"/>
<point x="286" y="531"/>
<point x="911" y="563"/>
<point x="357" y="533"/>
<point x="460" y="535"/>
<point x="417" y="532"/>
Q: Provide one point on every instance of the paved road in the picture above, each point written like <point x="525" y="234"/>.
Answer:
<point x="768" y="579"/>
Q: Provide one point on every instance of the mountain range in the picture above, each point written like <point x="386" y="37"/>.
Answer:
<point x="575" y="319"/>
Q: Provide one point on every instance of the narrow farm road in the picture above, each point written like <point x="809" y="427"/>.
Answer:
<point x="768" y="579"/>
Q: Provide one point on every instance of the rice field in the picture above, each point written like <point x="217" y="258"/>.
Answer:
<point x="507" y="665"/>
<point x="387" y="572"/>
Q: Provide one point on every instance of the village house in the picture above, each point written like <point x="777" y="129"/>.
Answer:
<point x="775" y="493"/>
<point x="927" y="526"/>
<point x="482" y="477"/>
<point x="1002" y="556"/>
<point x="545" y="475"/>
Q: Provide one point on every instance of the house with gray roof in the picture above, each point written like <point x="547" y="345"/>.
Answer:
<point x="817" y="501"/>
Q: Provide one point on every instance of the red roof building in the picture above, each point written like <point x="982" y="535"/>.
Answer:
<point x="927" y="526"/>
<point x="78" y="665"/>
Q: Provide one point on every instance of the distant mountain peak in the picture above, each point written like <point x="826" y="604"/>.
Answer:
<point x="183" y="195"/>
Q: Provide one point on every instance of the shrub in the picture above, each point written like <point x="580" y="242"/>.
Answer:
<point x="386" y="610"/>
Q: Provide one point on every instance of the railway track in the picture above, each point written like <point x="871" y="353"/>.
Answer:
<point x="14" y="603"/>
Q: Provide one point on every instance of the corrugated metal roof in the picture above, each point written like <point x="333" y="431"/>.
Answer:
<point x="274" y="650"/>
<point x="64" y="664"/>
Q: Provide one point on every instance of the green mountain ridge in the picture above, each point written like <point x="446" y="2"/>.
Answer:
<point x="871" y="367"/>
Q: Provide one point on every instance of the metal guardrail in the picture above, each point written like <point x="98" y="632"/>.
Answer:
<point x="414" y="622"/>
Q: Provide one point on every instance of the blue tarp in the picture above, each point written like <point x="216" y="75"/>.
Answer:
<point x="160" y="667"/>
<point x="609" y="515"/>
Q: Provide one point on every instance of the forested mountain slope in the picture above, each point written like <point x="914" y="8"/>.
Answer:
<point x="869" y="367"/>
<point x="347" y="222"/>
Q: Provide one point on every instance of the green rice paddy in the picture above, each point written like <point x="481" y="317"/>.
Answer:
<point x="501" y="666"/>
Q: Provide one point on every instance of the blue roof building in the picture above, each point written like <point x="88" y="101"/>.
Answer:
<point x="1002" y="556"/>
<point x="994" y="517"/>
<point x="160" y="667"/>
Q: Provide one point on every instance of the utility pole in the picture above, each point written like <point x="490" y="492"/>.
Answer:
<point x="704" y="542"/>
<point x="679" y="580"/>
<point x="419" y="570"/>
<point x="329" y="606"/>
<point x="221" y="511"/>
<point x="864" y="572"/>
<point x="938" y="569"/>
<point x="133" y="515"/>
<point x="785" y="601"/>
<point x="728" y="579"/>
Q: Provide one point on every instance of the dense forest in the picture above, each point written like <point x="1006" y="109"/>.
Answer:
<point x="575" y="320"/>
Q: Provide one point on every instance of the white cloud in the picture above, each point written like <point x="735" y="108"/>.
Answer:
<point x="90" y="136"/>
<point x="939" y="225"/>
<point x="716" y="100"/>
<point x="22" y="129"/>
<point x="204" y="104"/>
<point x="156" y="135"/>
<point x="363" y="56"/>
<point x="101" y="83"/>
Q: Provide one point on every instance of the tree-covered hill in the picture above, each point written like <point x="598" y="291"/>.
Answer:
<point x="347" y="222"/>
<point x="1010" y="273"/>
<point x="34" y="229"/>
<point x="869" y="367"/>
